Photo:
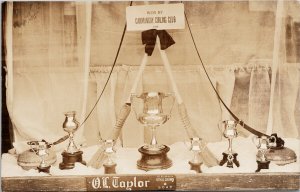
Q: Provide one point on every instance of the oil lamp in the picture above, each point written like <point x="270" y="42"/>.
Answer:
<point x="278" y="153"/>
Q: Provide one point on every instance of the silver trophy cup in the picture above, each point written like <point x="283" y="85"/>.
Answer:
<point x="41" y="149"/>
<point x="229" y="132"/>
<point x="109" y="163"/>
<point x="70" y="125"/>
<point x="152" y="113"/>
<point x="262" y="144"/>
<point x="72" y="154"/>
<point x="196" y="162"/>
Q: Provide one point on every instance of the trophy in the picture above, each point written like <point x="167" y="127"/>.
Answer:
<point x="41" y="149"/>
<point x="196" y="162"/>
<point x="152" y="115"/>
<point x="229" y="132"/>
<point x="262" y="145"/>
<point x="72" y="154"/>
<point x="278" y="153"/>
<point x="109" y="164"/>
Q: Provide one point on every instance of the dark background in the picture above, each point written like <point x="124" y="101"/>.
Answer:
<point x="5" y="121"/>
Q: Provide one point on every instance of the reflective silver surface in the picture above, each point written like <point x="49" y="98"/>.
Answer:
<point x="152" y="114"/>
<point x="70" y="125"/>
<point x="229" y="132"/>
<point x="41" y="149"/>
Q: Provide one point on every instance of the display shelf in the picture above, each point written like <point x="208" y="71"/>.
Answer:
<point x="184" y="182"/>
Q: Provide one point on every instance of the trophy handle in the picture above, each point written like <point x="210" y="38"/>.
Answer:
<point x="196" y="140"/>
<point x="33" y="145"/>
<point x="273" y="141"/>
<point x="187" y="144"/>
<point x="173" y="102"/>
<point x="256" y="141"/>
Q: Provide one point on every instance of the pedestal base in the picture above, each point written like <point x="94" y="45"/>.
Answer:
<point x="109" y="169"/>
<point x="69" y="160"/>
<point x="262" y="165"/>
<point x="230" y="158"/>
<point x="196" y="166"/>
<point x="281" y="155"/>
<point x="154" y="159"/>
<point x="44" y="169"/>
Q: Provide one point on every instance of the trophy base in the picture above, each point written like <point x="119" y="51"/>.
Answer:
<point x="281" y="155"/>
<point x="154" y="159"/>
<point x="195" y="167"/>
<point x="109" y="169"/>
<point x="230" y="158"/>
<point x="262" y="165"/>
<point x="44" y="169"/>
<point x="69" y="160"/>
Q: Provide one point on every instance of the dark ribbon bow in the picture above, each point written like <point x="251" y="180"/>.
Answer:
<point x="149" y="38"/>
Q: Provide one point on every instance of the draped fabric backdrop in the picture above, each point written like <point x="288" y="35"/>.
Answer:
<point x="62" y="53"/>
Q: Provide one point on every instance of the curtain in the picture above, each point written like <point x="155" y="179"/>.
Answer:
<point x="259" y="98"/>
<point x="285" y="101"/>
<point x="49" y="68"/>
<point x="245" y="89"/>
<point x="62" y="53"/>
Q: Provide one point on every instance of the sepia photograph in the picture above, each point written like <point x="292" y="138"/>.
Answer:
<point x="150" y="95"/>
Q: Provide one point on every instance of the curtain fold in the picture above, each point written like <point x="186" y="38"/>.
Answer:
<point x="106" y="107"/>
<point x="225" y="79"/>
<point x="259" y="98"/>
<point x="285" y="101"/>
<point x="49" y="76"/>
<point x="8" y="49"/>
<point x="84" y="22"/>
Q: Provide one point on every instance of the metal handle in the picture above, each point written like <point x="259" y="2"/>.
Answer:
<point x="173" y="102"/>
<point x="33" y="145"/>
<point x="274" y="142"/>
<point x="255" y="141"/>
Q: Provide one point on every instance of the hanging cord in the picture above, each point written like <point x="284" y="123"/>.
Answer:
<point x="245" y="126"/>
<point x="112" y="68"/>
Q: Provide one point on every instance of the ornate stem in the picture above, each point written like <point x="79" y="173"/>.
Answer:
<point x="196" y="157"/>
<point x="72" y="148"/>
<point x="230" y="145"/>
<point x="43" y="163"/>
<point x="153" y="143"/>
